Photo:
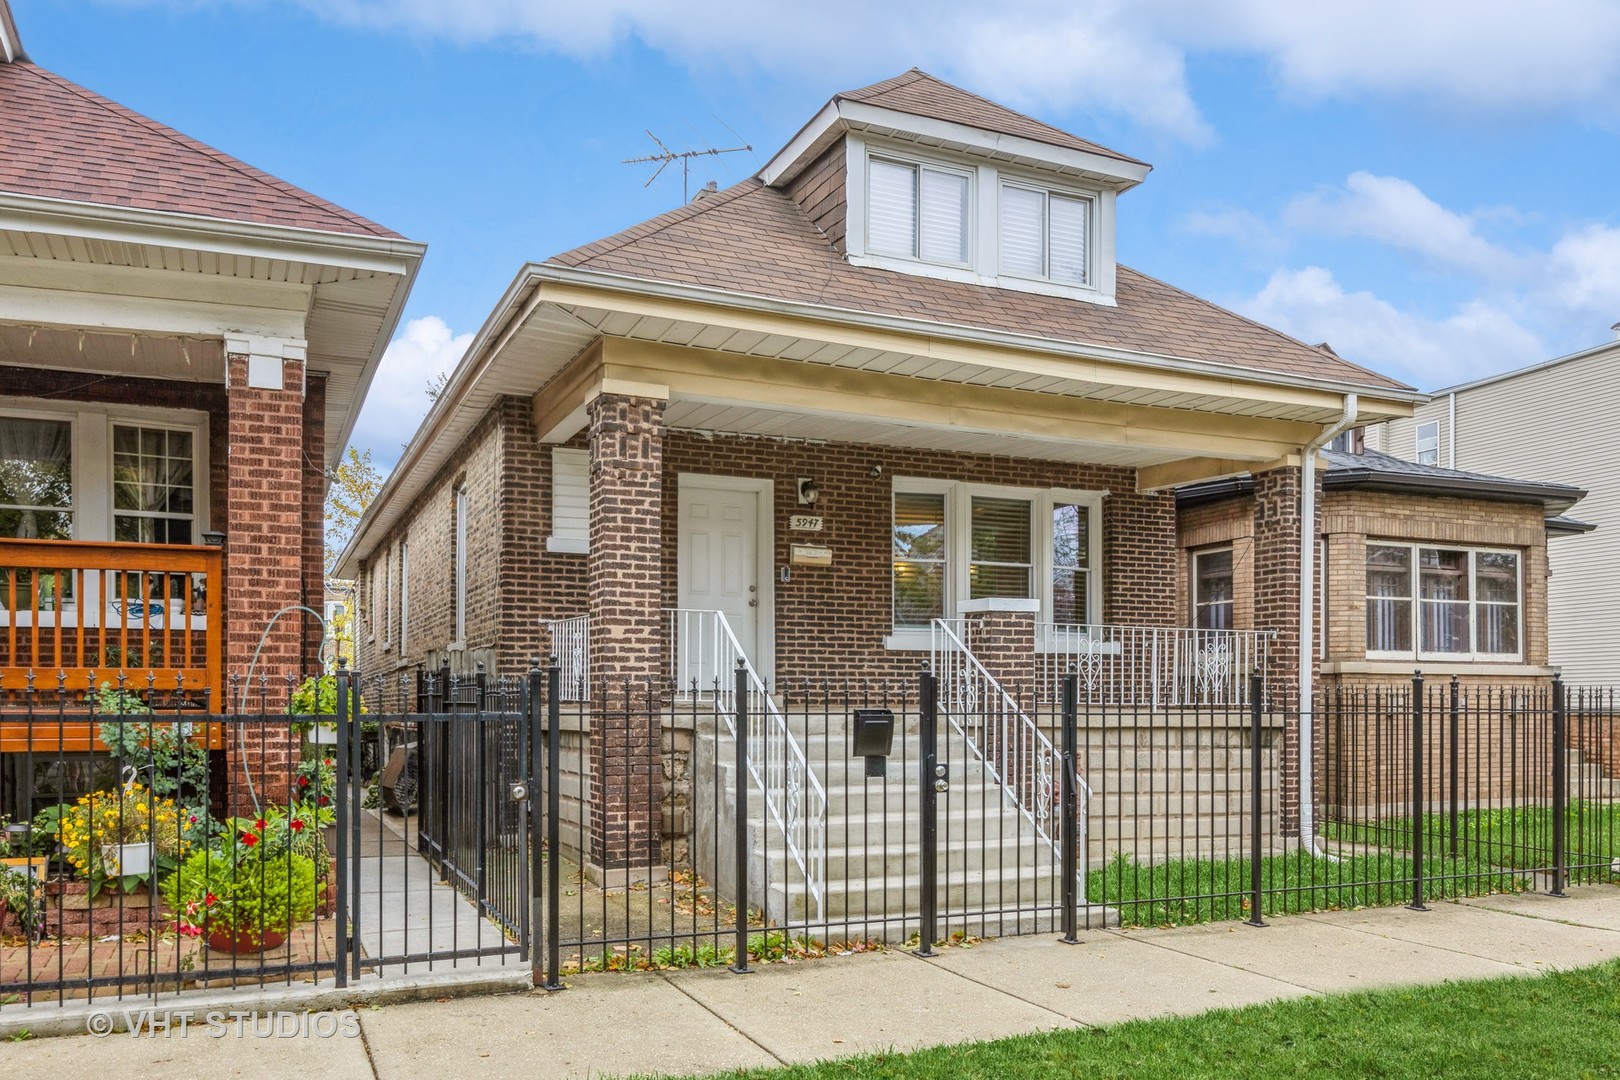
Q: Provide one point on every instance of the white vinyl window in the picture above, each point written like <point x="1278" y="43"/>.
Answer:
<point x="954" y="541"/>
<point x="36" y="478"/>
<point x="570" y="501"/>
<point x="1442" y="603"/>
<point x="916" y="211"/>
<point x="1045" y="234"/>
<point x="1428" y="443"/>
<point x="460" y="585"/>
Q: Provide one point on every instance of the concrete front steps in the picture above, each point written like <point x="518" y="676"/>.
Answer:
<point x="997" y="875"/>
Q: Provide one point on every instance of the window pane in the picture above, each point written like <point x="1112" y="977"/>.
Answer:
<point x="36" y="524"/>
<point x="1069" y="597"/>
<point x="1071" y="546"/>
<point x="1497" y="576"/>
<point x="919" y="593"/>
<point x="919" y="558"/>
<point x="943" y="233"/>
<point x="1023" y="230"/>
<point x="1213" y="606"/>
<point x="919" y="526"/>
<point x="989" y="579"/>
<point x="1498" y="628"/>
<point x="891" y="209"/>
<point x="1443" y="575"/>
<point x="1389" y="599"/>
<point x="1445" y="626"/>
<point x="1067" y="236"/>
<point x="1001" y="530"/>
<point x="36" y="462"/>
<point x="1389" y="625"/>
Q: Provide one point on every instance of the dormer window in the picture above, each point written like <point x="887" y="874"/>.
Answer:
<point x="1044" y="234"/>
<point x="917" y="212"/>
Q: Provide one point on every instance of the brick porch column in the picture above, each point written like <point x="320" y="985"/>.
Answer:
<point x="264" y="552"/>
<point x="624" y="582"/>
<point x="1276" y="607"/>
<point x="1001" y="633"/>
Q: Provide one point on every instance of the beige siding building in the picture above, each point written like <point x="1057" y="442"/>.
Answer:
<point x="1559" y="422"/>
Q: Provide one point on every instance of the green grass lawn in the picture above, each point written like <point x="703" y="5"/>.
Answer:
<point x="1565" y="1024"/>
<point x="1181" y="892"/>
<point x="1520" y="837"/>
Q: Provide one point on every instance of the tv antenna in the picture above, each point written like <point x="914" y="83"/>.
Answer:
<point x="683" y="156"/>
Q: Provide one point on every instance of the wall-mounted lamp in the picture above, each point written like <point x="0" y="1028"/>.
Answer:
<point x="214" y="538"/>
<point x="808" y="492"/>
<point x="875" y="471"/>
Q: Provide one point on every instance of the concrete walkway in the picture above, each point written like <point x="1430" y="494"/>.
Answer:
<point x="708" y="1021"/>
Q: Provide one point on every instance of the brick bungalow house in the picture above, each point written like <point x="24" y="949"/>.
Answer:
<point x="185" y="343"/>
<point x="894" y="381"/>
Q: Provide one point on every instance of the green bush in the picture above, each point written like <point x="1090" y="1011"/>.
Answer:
<point x="214" y="891"/>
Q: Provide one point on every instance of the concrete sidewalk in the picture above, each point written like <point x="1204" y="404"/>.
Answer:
<point x="708" y="1021"/>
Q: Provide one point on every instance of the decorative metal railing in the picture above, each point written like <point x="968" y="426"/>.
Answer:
<point x="1019" y="756"/>
<point x="571" y="644"/>
<point x="1149" y="665"/>
<point x="704" y="654"/>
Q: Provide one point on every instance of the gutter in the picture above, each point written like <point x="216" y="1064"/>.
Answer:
<point x="1307" y="611"/>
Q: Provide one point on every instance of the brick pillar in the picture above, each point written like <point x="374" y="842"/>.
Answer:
<point x="1139" y="559"/>
<point x="624" y="584"/>
<point x="1001" y="633"/>
<point x="264" y="561"/>
<point x="1276" y="608"/>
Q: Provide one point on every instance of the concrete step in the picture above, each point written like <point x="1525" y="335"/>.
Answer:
<point x="997" y="888"/>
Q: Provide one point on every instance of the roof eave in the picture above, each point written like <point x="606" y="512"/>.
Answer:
<point x="1553" y="498"/>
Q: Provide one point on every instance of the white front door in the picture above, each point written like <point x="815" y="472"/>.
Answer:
<point x="719" y="569"/>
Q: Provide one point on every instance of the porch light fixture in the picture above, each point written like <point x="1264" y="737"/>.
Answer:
<point x="875" y="471"/>
<point x="214" y="538"/>
<point x="808" y="492"/>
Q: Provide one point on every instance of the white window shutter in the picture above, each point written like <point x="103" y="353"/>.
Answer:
<point x="1067" y="238"/>
<point x="942" y="235"/>
<point x="570" y="501"/>
<point x="1022" y="231"/>
<point x="891" y="209"/>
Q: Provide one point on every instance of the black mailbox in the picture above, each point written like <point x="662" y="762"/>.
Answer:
<point x="873" y="736"/>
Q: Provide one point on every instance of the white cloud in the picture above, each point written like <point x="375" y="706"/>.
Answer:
<point x="398" y="398"/>
<point x="1244" y="227"/>
<point x="1477" y="337"/>
<point x="1123" y="57"/>
<point x="1583" y="273"/>
<point x="1394" y="212"/>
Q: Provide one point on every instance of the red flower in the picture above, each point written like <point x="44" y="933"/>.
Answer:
<point x="258" y="826"/>
<point x="296" y="824"/>
<point x="210" y="900"/>
<point x="303" y="781"/>
<point x="248" y="839"/>
<point x="322" y="801"/>
<point x="328" y="762"/>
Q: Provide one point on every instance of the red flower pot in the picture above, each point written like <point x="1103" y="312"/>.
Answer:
<point x="245" y="940"/>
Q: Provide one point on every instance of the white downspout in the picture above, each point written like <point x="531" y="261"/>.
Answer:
<point x="1307" y="609"/>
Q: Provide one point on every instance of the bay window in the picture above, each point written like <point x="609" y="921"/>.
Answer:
<point x="1457" y="603"/>
<point x="953" y="541"/>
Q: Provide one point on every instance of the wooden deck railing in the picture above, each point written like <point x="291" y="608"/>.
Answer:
<point x="74" y="611"/>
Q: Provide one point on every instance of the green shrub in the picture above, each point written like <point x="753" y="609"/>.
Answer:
<point x="220" y="891"/>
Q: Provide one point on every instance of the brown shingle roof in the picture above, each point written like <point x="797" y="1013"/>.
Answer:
<point x="62" y="141"/>
<point x="921" y="94"/>
<point x="754" y="240"/>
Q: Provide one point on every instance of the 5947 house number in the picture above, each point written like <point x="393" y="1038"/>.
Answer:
<point x="804" y="523"/>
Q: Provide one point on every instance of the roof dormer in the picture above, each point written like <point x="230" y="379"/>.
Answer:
<point x="921" y="177"/>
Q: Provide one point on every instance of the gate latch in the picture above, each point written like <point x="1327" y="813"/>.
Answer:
<point x="519" y="791"/>
<point x="941" y="783"/>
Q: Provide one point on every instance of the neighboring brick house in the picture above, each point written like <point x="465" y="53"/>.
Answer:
<point x="1419" y="567"/>
<point x="185" y="343"/>
<point x="894" y="380"/>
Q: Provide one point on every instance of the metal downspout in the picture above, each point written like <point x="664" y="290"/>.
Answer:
<point x="1307" y="611"/>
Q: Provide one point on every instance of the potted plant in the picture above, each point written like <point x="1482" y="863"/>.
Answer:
<point x="316" y="697"/>
<point x="245" y="892"/>
<point x="125" y="836"/>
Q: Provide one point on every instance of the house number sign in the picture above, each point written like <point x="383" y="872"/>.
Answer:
<point x="804" y="523"/>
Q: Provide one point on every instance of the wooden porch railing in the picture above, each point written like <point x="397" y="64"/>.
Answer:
<point x="73" y="611"/>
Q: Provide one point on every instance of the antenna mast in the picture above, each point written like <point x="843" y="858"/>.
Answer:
<point x="684" y="157"/>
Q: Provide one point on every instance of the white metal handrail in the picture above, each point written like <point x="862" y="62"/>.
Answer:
<point x="704" y="657"/>
<point x="1149" y="665"/>
<point x="571" y="642"/>
<point x="1017" y="754"/>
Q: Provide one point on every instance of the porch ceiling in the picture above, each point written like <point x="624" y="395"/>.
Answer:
<point x="143" y="356"/>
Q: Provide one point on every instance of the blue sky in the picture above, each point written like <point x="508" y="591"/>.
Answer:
<point x="1429" y="187"/>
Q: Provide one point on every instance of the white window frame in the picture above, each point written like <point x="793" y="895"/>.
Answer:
<point x="459" y="585"/>
<point x="1193" y="558"/>
<point x="1427" y="432"/>
<point x="984" y="216"/>
<point x="1417" y="651"/>
<point x="959" y="538"/>
<point x="919" y="165"/>
<point x="1047" y="190"/>
<point x="91" y="434"/>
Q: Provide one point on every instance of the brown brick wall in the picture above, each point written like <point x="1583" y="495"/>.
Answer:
<point x="820" y="190"/>
<point x="1276" y="607"/>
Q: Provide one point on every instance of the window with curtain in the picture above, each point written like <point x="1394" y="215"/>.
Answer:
<point x="1212" y="589"/>
<point x="36" y="478"/>
<point x="1044" y="234"/>
<point x="154" y="487"/>
<point x="914" y="211"/>
<point x="1444" y="602"/>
